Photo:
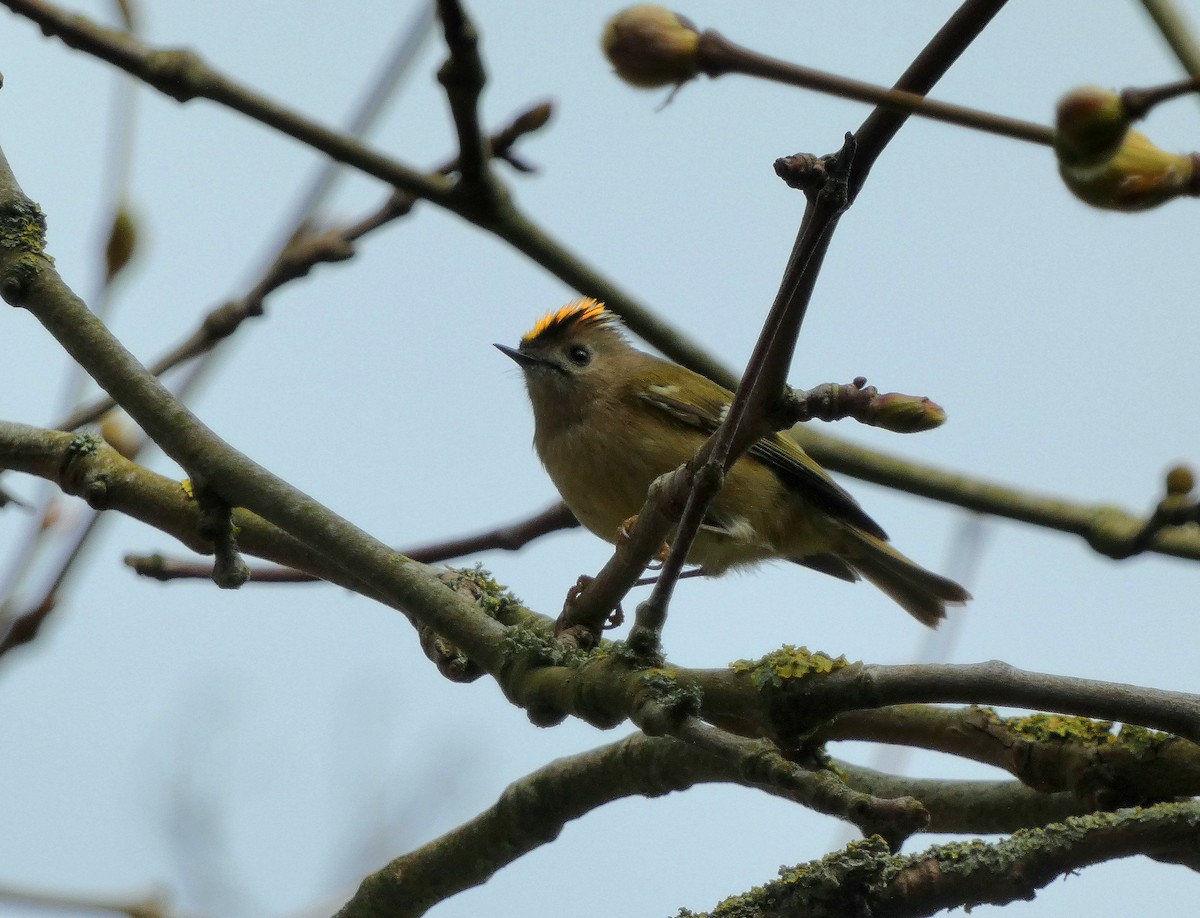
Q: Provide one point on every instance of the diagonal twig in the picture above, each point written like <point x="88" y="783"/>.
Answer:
<point x="836" y="183"/>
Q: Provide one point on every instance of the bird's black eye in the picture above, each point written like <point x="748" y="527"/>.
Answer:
<point x="580" y="355"/>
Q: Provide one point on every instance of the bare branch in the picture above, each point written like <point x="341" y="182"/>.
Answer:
<point x="532" y="812"/>
<point x="307" y="247"/>
<point x="1102" y="526"/>
<point x="511" y="537"/>
<point x="719" y="56"/>
<point x="967" y="807"/>
<point x="28" y="279"/>
<point x="834" y="183"/>
<point x="1177" y="32"/>
<point x="184" y="76"/>
<point x="463" y="77"/>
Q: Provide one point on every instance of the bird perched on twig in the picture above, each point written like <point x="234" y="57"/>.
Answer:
<point x="609" y="419"/>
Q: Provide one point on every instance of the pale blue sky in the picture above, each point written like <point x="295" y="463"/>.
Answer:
<point x="303" y="724"/>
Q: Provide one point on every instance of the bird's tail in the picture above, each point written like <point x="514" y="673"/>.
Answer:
<point x="922" y="593"/>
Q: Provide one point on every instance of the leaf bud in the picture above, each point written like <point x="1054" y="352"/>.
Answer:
<point x="121" y="245"/>
<point x="1090" y="125"/>
<point x="1139" y="177"/>
<point x="1180" y="481"/>
<point x="906" y="413"/>
<point x="649" y="46"/>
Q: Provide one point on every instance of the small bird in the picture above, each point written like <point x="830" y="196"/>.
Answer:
<point x="609" y="419"/>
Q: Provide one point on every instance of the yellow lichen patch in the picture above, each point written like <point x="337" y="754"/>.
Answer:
<point x="787" y="663"/>
<point x="1141" y="742"/>
<point x="822" y="887"/>
<point x="480" y="582"/>
<point x="952" y="852"/>
<point x="492" y="597"/>
<point x="23" y="228"/>
<point x="1043" y="727"/>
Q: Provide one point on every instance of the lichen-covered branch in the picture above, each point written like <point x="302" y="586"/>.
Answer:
<point x="866" y="878"/>
<point x="531" y="812"/>
<point x="1098" y="765"/>
<point x="791" y="691"/>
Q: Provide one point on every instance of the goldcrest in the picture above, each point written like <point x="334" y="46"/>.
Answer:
<point x="609" y="419"/>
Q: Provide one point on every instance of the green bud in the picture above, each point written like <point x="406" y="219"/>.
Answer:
<point x="906" y="413"/>
<point x="651" y="47"/>
<point x="121" y="245"/>
<point x="1090" y="125"/>
<point x="1180" y="481"/>
<point x="1139" y="177"/>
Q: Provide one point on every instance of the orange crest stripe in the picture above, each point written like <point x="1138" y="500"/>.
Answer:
<point x="579" y="312"/>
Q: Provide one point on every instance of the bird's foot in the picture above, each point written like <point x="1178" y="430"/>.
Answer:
<point x="615" y="618"/>
<point x="625" y="533"/>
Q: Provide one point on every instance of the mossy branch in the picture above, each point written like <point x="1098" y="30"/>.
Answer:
<point x="866" y="878"/>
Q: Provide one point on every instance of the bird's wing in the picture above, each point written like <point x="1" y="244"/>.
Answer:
<point x="704" y="406"/>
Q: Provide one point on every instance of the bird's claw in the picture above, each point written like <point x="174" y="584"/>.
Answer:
<point x="625" y="533"/>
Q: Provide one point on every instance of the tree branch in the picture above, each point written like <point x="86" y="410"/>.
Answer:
<point x="1104" y="527"/>
<point x="532" y="812"/>
<point x="511" y="537"/>
<point x="831" y="185"/>
<point x="1050" y="754"/>
<point x="305" y="249"/>
<point x="183" y="75"/>
<point x="28" y="279"/>
<point x="866" y="878"/>
<point x="795" y="689"/>
<point x="967" y="807"/>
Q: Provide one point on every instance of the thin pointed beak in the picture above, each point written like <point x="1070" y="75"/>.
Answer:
<point x="522" y="359"/>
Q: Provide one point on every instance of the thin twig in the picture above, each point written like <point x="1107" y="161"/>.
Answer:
<point x="511" y="537"/>
<point x="150" y="904"/>
<point x="304" y="250"/>
<point x="301" y="250"/>
<point x="463" y="78"/>
<point x="184" y="76"/>
<point x="1177" y="32"/>
<point x="833" y="184"/>
<point x="1106" y="528"/>
<point x="764" y="380"/>
<point x="719" y="56"/>
<point x="936" y="58"/>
